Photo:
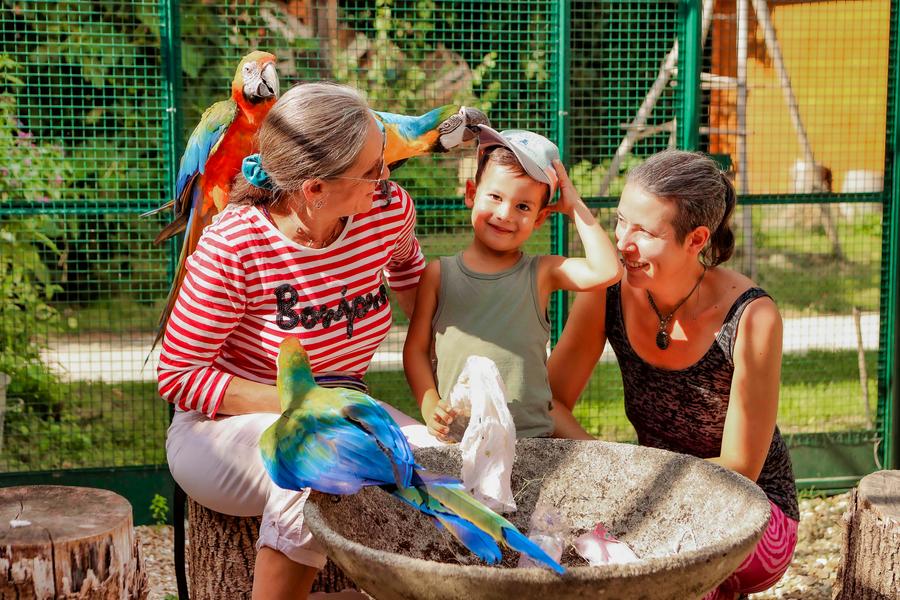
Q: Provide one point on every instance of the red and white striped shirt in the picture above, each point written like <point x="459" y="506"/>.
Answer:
<point x="248" y="286"/>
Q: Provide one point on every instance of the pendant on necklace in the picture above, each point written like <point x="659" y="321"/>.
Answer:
<point x="662" y="339"/>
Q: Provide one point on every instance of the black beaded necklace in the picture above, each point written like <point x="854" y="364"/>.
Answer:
<point x="662" y="335"/>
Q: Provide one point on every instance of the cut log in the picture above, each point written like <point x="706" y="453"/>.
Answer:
<point x="222" y="552"/>
<point x="68" y="542"/>
<point x="870" y="554"/>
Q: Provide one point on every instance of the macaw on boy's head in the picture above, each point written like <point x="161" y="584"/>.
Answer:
<point x="532" y="151"/>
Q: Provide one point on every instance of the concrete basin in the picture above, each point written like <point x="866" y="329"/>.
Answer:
<point x="690" y="522"/>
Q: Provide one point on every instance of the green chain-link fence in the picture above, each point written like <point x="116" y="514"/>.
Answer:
<point x="98" y="96"/>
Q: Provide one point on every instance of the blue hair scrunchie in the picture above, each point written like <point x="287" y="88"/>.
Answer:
<point x="253" y="172"/>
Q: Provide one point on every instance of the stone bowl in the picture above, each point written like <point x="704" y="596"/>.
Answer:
<point x="690" y="522"/>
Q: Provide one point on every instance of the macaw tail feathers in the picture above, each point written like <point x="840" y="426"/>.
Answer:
<point x="421" y="477"/>
<point x="187" y="247"/>
<point x="517" y="541"/>
<point x="472" y="538"/>
<point x="469" y="535"/>
<point x="475" y="525"/>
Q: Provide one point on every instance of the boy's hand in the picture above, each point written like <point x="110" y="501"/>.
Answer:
<point x="439" y="421"/>
<point x="568" y="195"/>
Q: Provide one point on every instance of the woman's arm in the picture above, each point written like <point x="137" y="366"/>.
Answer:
<point x="244" y="396"/>
<point x="572" y="361"/>
<point x="407" y="262"/>
<point x="753" y="404"/>
<point x="209" y="306"/>
<point x="565" y="425"/>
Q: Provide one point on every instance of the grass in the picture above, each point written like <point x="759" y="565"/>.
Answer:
<point x="107" y="425"/>
<point x="97" y="425"/>
<point x="820" y="392"/>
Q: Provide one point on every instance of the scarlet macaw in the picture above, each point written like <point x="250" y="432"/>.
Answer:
<point x="225" y="134"/>
<point x="337" y="440"/>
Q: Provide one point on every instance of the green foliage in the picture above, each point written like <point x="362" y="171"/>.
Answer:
<point x="99" y="425"/>
<point x="32" y="172"/>
<point x="398" y="63"/>
<point x="587" y="177"/>
<point x="159" y="509"/>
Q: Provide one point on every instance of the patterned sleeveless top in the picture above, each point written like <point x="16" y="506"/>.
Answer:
<point x="684" y="410"/>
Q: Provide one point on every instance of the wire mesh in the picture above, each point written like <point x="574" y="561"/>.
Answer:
<point x="83" y="111"/>
<point x="798" y="101"/>
<point x="84" y="102"/>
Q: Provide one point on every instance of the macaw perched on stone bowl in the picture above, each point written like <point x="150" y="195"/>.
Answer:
<point x="227" y="132"/>
<point x="337" y="441"/>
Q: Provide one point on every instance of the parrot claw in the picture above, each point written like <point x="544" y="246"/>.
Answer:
<point x="460" y="127"/>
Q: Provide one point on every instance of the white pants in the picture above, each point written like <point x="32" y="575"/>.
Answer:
<point x="218" y="464"/>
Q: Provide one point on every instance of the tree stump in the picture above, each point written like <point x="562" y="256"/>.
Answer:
<point x="221" y="554"/>
<point x="870" y="556"/>
<point x="68" y="542"/>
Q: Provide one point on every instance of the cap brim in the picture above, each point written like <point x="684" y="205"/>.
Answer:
<point x="488" y="138"/>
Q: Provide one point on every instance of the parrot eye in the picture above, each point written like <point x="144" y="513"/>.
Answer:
<point x="247" y="68"/>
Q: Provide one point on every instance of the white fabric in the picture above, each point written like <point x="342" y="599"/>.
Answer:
<point x="232" y="480"/>
<point x="488" y="446"/>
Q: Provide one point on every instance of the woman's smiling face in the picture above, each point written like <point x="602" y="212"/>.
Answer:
<point x="646" y="238"/>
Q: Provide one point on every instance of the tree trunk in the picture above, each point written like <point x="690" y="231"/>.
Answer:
<point x="870" y="556"/>
<point x="223" y="562"/>
<point x="68" y="542"/>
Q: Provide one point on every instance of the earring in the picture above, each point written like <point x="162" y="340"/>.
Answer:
<point x="319" y="203"/>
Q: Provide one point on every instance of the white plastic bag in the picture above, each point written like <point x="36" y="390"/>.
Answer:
<point x="488" y="446"/>
<point x="599" y="547"/>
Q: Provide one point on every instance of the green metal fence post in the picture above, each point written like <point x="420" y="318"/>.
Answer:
<point x="689" y="53"/>
<point x="170" y="34"/>
<point x="891" y="229"/>
<point x="559" y="236"/>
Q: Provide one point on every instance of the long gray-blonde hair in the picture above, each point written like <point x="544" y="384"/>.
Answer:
<point x="313" y="130"/>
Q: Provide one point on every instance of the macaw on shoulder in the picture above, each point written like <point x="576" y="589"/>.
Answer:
<point x="226" y="133"/>
<point x="337" y="441"/>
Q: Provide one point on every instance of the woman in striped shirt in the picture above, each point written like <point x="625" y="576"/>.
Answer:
<point x="313" y="234"/>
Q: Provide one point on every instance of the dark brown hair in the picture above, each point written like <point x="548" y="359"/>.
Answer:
<point x="504" y="157"/>
<point x="701" y="192"/>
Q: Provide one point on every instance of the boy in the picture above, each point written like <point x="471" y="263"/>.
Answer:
<point x="491" y="299"/>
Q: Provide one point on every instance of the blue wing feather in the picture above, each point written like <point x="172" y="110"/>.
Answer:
<point x="412" y="127"/>
<point x="377" y="422"/>
<point x="203" y="141"/>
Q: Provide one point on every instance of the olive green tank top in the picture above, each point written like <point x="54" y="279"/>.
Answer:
<point x="499" y="316"/>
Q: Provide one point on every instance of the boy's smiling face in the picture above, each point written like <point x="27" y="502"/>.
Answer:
<point x="506" y="207"/>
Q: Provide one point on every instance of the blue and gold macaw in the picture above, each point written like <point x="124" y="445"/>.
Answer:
<point x="438" y="130"/>
<point x="338" y="441"/>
